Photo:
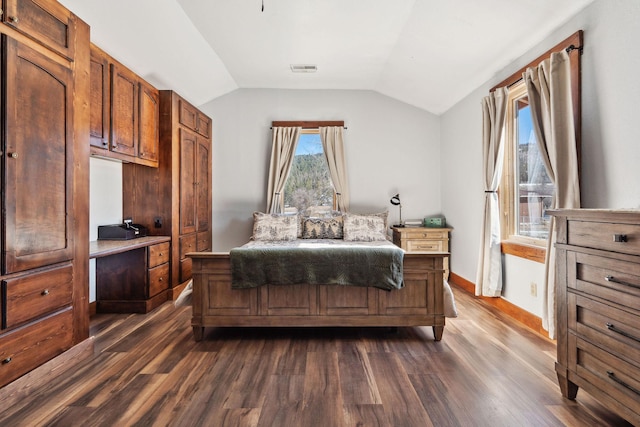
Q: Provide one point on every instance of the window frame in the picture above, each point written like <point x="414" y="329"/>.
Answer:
<point x="530" y="248"/>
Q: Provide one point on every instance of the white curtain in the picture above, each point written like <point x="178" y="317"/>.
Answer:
<point x="489" y="274"/>
<point x="549" y="91"/>
<point x="333" y="146"/>
<point x="283" y="149"/>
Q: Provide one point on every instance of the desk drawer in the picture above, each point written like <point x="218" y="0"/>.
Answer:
<point x="158" y="279"/>
<point x="158" y="254"/>
<point x="602" y="235"/>
<point x="34" y="295"/>
<point x="25" y="348"/>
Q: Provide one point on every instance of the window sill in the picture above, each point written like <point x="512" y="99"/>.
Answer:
<point x="530" y="252"/>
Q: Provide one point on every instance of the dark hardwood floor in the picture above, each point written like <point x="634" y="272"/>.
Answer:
<point x="147" y="370"/>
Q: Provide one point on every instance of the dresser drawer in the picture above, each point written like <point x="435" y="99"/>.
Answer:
<point x="603" y="277"/>
<point x="25" y="348"/>
<point x="613" y="376"/>
<point x="158" y="279"/>
<point x="187" y="244"/>
<point x="34" y="295"/>
<point x="606" y="326"/>
<point x="602" y="235"/>
<point x="424" y="245"/>
<point x="158" y="254"/>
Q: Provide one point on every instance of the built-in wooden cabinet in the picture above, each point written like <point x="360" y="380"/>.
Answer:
<point x="175" y="198"/>
<point x="44" y="164"/>
<point x="125" y="112"/>
<point x="132" y="276"/>
<point x="598" y="307"/>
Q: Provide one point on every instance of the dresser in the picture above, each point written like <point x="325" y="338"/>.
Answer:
<point x="598" y="307"/>
<point x="421" y="239"/>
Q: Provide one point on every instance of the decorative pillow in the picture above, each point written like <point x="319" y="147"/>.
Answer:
<point x="365" y="228"/>
<point x="323" y="228"/>
<point x="275" y="226"/>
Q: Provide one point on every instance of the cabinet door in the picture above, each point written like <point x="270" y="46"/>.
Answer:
<point x="188" y="144"/>
<point x="149" y="122"/>
<point x="46" y="21"/>
<point x="100" y="100"/>
<point x="38" y="160"/>
<point x="203" y="182"/>
<point x="124" y="111"/>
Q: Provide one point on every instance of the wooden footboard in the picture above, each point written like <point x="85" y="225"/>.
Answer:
<point x="419" y="303"/>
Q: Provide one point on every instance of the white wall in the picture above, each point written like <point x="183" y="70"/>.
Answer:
<point x="105" y="204"/>
<point x="610" y="150"/>
<point x="391" y="147"/>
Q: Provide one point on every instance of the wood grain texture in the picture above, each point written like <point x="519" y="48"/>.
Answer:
<point x="147" y="370"/>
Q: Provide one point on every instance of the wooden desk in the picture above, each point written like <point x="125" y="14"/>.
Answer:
<point x="132" y="276"/>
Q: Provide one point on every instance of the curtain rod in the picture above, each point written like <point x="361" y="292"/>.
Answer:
<point x="314" y="127"/>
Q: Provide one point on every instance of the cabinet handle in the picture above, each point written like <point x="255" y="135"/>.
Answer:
<point x="13" y="19"/>
<point x="160" y="279"/>
<point x="613" y="377"/>
<point x="7" y="360"/>
<point x="45" y="292"/>
<point x="622" y="282"/>
<point x="620" y="238"/>
<point x="612" y="328"/>
<point x="13" y="155"/>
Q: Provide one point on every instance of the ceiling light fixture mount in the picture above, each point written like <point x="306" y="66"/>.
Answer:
<point x="304" y="68"/>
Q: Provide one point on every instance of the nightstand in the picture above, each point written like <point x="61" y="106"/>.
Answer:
<point x="415" y="239"/>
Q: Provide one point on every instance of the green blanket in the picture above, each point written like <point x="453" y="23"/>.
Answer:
<point x="323" y="262"/>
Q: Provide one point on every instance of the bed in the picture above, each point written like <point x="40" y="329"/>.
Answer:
<point x="242" y="287"/>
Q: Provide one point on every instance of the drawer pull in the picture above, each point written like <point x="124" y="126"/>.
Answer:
<point x="620" y="238"/>
<point x="7" y="360"/>
<point x="613" y="377"/>
<point x="45" y="292"/>
<point x="613" y="328"/>
<point x="622" y="282"/>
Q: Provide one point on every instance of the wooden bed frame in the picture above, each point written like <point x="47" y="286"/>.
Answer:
<point x="419" y="303"/>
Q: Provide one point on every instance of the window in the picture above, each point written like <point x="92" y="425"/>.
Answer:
<point x="309" y="183"/>
<point x="527" y="190"/>
<point x="525" y="225"/>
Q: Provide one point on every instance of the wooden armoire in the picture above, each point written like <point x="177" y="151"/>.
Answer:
<point x="175" y="198"/>
<point x="44" y="165"/>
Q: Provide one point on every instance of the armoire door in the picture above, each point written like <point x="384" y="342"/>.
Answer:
<point x="203" y="181"/>
<point x="37" y="159"/>
<point x="188" y="178"/>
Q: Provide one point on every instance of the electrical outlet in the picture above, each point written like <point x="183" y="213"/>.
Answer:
<point x="157" y="222"/>
<point x="533" y="289"/>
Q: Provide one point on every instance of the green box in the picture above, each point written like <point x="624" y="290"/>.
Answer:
<point x="435" y="222"/>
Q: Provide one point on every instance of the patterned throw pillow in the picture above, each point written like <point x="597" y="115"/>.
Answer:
<point x="365" y="228"/>
<point x="323" y="228"/>
<point x="275" y="226"/>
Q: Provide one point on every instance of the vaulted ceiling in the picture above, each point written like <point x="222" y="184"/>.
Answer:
<point x="428" y="53"/>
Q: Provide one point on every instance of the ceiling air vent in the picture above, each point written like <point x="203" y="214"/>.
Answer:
<point x="304" y="68"/>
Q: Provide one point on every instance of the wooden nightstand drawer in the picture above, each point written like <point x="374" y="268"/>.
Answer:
<point x="603" y="277"/>
<point x="603" y="235"/>
<point x="32" y="345"/>
<point x="158" y="254"/>
<point x="424" y="233"/>
<point x="32" y="296"/>
<point x="424" y="245"/>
